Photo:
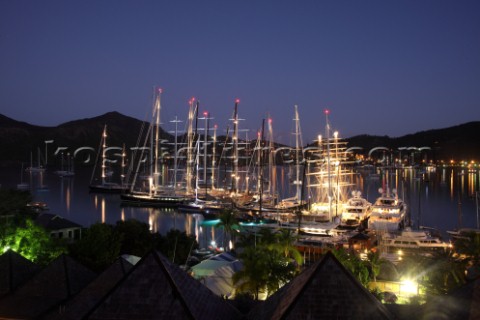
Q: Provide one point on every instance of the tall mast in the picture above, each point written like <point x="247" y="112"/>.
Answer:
<point x="175" y="156"/>
<point x="214" y="162"/>
<point x="298" y="143"/>
<point x="235" y="146"/>
<point x="329" y="176"/>
<point x="205" y="148"/>
<point x="156" y="111"/>
<point x="271" y="182"/>
<point x="104" y="158"/>
<point x="190" y="145"/>
<point x="261" y="167"/>
<point x="122" y="173"/>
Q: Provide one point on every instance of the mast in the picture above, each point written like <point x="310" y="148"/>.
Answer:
<point x="122" y="173"/>
<point x="175" y="155"/>
<point x="190" y="145"/>
<point x="156" y="111"/>
<point x="298" y="143"/>
<point x="271" y="182"/>
<point x="235" y="146"/>
<point x="104" y="158"/>
<point x="261" y="167"/>
<point x="205" y="147"/>
<point x="329" y="176"/>
<point x="214" y="163"/>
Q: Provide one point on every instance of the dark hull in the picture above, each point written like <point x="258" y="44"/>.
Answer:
<point x="152" y="201"/>
<point x="108" y="188"/>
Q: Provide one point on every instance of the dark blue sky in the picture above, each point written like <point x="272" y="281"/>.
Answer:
<point x="381" y="67"/>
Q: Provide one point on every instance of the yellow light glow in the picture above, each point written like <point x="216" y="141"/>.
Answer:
<point x="409" y="286"/>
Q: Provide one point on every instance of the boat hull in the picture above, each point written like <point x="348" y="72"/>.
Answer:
<point x="153" y="201"/>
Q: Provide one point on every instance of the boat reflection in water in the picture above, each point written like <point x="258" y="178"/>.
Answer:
<point x="434" y="203"/>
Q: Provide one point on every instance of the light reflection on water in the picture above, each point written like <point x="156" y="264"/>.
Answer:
<point x="444" y="199"/>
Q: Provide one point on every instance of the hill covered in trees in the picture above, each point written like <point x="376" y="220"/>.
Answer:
<point x="19" y="139"/>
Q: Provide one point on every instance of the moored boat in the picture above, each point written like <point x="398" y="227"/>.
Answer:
<point x="355" y="211"/>
<point x="105" y="185"/>
<point x="388" y="212"/>
<point x="412" y="240"/>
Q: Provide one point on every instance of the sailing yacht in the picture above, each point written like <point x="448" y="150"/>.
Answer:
<point x="328" y="181"/>
<point x="22" y="185"/>
<point x="66" y="170"/>
<point x="105" y="185"/>
<point x="154" y="191"/>
<point x="295" y="202"/>
<point x="38" y="167"/>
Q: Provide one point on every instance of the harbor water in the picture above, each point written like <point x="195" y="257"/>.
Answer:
<point x="440" y="198"/>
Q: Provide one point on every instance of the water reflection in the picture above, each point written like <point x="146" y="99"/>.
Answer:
<point x="443" y="199"/>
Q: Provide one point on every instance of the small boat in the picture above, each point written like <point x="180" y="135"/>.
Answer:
<point x="35" y="168"/>
<point x="22" y="185"/>
<point x="37" y="206"/>
<point x="463" y="233"/>
<point x="202" y="206"/>
<point x="66" y="170"/>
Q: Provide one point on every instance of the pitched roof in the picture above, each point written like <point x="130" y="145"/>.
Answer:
<point x="55" y="222"/>
<point x="326" y="290"/>
<point x="157" y="289"/>
<point x="14" y="271"/>
<point x="60" y="280"/>
<point x="80" y="305"/>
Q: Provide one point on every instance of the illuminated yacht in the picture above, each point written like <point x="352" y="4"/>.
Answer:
<point x="355" y="211"/>
<point x="412" y="240"/>
<point x="388" y="213"/>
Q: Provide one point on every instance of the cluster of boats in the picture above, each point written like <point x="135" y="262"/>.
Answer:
<point x="202" y="175"/>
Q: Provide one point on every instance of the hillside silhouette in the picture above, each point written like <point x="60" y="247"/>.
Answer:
<point x="20" y="139"/>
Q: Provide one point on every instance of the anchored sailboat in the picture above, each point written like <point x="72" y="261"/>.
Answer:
<point x="153" y="192"/>
<point x="38" y="167"/>
<point x="66" y="169"/>
<point x="105" y="184"/>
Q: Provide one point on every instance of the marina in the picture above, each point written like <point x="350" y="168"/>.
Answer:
<point x="438" y="207"/>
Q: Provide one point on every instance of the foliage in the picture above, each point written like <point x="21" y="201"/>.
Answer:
<point x="229" y="223"/>
<point x="469" y="247"/>
<point x="374" y="263"/>
<point x="99" y="247"/>
<point x="136" y="237"/>
<point x="377" y="293"/>
<point x="437" y="274"/>
<point x="13" y="202"/>
<point x="356" y="266"/>
<point x="31" y="241"/>
<point x="264" y="271"/>
<point x="176" y="245"/>
<point x="284" y="244"/>
<point x="269" y="261"/>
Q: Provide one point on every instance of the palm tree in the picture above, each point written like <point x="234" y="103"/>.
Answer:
<point x="375" y="263"/>
<point x="229" y="223"/>
<point x="438" y="273"/>
<point x="264" y="271"/>
<point x="469" y="246"/>
<point x="253" y="277"/>
<point x="285" y="240"/>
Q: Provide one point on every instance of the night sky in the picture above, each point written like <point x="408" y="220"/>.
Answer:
<point x="381" y="67"/>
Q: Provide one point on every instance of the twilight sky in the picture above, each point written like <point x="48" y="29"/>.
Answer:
<point x="381" y="67"/>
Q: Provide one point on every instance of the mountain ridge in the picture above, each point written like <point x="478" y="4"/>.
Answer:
<point x="19" y="138"/>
